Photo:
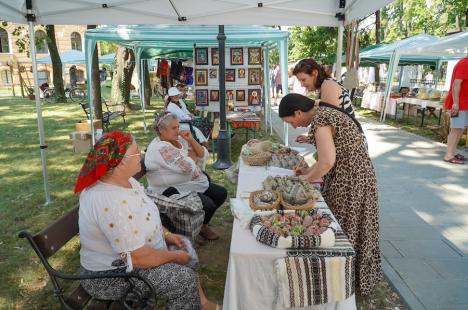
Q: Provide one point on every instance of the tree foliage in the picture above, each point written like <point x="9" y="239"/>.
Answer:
<point x="107" y="47"/>
<point x="317" y="42"/>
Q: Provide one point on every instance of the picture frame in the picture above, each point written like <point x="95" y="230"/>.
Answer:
<point x="214" y="56"/>
<point x="229" y="95"/>
<point x="201" y="55"/>
<point x="213" y="73"/>
<point x="254" y="76"/>
<point x="230" y="75"/>
<point x="201" y="97"/>
<point x="201" y="77"/>
<point x="254" y="55"/>
<point x="240" y="95"/>
<point x="241" y="73"/>
<point x="214" y="95"/>
<point x="237" y="56"/>
<point x="254" y="97"/>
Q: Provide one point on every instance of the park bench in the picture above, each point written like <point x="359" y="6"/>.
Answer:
<point x="111" y="112"/>
<point x="51" y="239"/>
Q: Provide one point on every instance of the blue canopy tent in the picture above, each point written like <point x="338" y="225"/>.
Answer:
<point x="74" y="57"/>
<point x="150" y="41"/>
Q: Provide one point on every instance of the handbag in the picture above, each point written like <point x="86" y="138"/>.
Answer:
<point x="180" y="213"/>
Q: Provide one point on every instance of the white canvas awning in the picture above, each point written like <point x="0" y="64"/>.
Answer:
<point x="195" y="12"/>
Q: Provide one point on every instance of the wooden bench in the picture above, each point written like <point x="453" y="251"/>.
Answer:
<point x="112" y="111"/>
<point x="48" y="241"/>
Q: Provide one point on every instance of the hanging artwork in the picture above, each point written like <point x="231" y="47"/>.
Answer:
<point x="254" y="77"/>
<point x="255" y="56"/>
<point x="201" y="56"/>
<point x="237" y="56"/>
<point x="230" y="75"/>
<point x="213" y="73"/>
<point x="214" y="57"/>
<point x="201" y="97"/>
<point x="201" y="77"/>
<point x="255" y="96"/>
<point x="241" y="73"/>
<point x="229" y="95"/>
<point x="240" y="95"/>
<point x="214" y="95"/>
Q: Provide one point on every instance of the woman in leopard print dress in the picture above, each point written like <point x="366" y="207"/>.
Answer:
<point x="350" y="186"/>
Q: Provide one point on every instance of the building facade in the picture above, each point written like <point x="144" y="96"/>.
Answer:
<point x="14" y="62"/>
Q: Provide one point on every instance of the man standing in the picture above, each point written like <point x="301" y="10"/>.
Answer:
<point x="457" y="102"/>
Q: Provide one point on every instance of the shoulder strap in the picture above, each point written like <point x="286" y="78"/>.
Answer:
<point x="324" y="104"/>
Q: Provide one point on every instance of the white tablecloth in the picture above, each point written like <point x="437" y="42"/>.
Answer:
<point x="251" y="281"/>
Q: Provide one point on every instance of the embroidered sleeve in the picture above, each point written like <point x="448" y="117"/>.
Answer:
<point x="177" y="161"/>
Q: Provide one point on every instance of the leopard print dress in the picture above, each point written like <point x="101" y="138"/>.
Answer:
<point x="350" y="190"/>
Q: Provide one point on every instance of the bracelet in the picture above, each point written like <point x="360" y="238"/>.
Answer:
<point x="167" y="233"/>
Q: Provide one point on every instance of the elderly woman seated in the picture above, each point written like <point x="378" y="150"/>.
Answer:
<point x="120" y="230"/>
<point x="175" y="105"/>
<point x="171" y="168"/>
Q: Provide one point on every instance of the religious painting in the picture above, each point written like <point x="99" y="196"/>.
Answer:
<point x="213" y="73"/>
<point x="201" y="97"/>
<point x="201" y="77"/>
<point x="237" y="56"/>
<point x="230" y="75"/>
<point x="241" y="73"/>
<point x="214" y="57"/>
<point x="214" y="95"/>
<point x="229" y="95"/>
<point x="240" y="95"/>
<point x="255" y="96"/>
<point x="201" y="56"/>
<point x="254" y="77"/>
<point x="255" y="55"/>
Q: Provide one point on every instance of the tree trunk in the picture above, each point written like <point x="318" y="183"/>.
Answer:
<point x="147" y="87"/>
<point x="56" y="64"/>
<point x="377" y="41"/>
<point x="95" y="82"/>
<point x="121" y="82"/>
<point x="466" y="18"/>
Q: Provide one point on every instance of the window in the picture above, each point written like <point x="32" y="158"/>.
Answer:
<point x="6" y="77"/>
<point x="41" y="42"/>
<point x="76" y="41"/>
<point x="4" y="45"/>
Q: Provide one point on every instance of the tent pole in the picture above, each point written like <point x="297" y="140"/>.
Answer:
<point x="90" y="45"/>
<point x="224" y="141"/>
<point x="339" y="51"/>
<point x="42" y="145"/>
<point x="394" y="59"/>
<point x="284" y="81"/>
<point x="266" y="93"/>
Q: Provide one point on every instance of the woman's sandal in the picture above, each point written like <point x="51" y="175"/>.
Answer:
<point x="460" y="157"/>
<point x="454" y="160"/>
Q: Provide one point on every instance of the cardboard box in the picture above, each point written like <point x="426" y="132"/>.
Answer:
<point x="81" y="141"/>
<point x="86" y="125"/>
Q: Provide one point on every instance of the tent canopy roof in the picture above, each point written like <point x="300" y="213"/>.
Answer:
<point x="184" y="37"/>
<point x="74" y="57"/>
<point x="200" y="12"/>
<point x="384" y="53"/>
<point x="450" y="47"/>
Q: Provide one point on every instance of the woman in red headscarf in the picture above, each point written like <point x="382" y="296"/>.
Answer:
<point x="121" y="231"/>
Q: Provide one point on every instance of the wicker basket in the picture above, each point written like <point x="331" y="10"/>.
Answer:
<point x="260" y="159"/>
<point x="274" y="205"/>
<point x="309" y="205"/>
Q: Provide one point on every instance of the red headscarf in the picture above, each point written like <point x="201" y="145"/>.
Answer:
<point x="106" y="155"/>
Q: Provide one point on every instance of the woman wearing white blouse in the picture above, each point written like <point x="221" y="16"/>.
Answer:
<point x="120" y="231"/>
<point x="177" y="106"/>
<point x="171" y="168"/>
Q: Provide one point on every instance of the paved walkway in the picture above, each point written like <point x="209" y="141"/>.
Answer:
<point x="423" y="216"/>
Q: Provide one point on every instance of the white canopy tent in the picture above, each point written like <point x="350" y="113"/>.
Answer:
<point x="448" y="48"/>
<point x="332" y="13"/>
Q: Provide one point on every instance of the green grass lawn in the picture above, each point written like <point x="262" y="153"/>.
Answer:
<point x="25" y="284"/>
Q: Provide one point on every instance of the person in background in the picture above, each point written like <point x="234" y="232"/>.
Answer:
<point x="103" y="74"/>
<point x="457" y="103"/>
<point x="272" y="81"/>
<point x="121" y="231"/>
<point x="171" y="168"/>
<point x="73" y="76"/>
<point x="314" y="78"/>
<point x="350" y="184"/>
<point x="279" y="87"/>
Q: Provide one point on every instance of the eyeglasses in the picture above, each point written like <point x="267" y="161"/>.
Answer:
<point x="133" y="155"/>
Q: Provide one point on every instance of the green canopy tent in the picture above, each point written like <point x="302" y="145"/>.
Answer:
<point x="149" y="41"/>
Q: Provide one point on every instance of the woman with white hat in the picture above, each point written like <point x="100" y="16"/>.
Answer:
<point x="177" y="106"/>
